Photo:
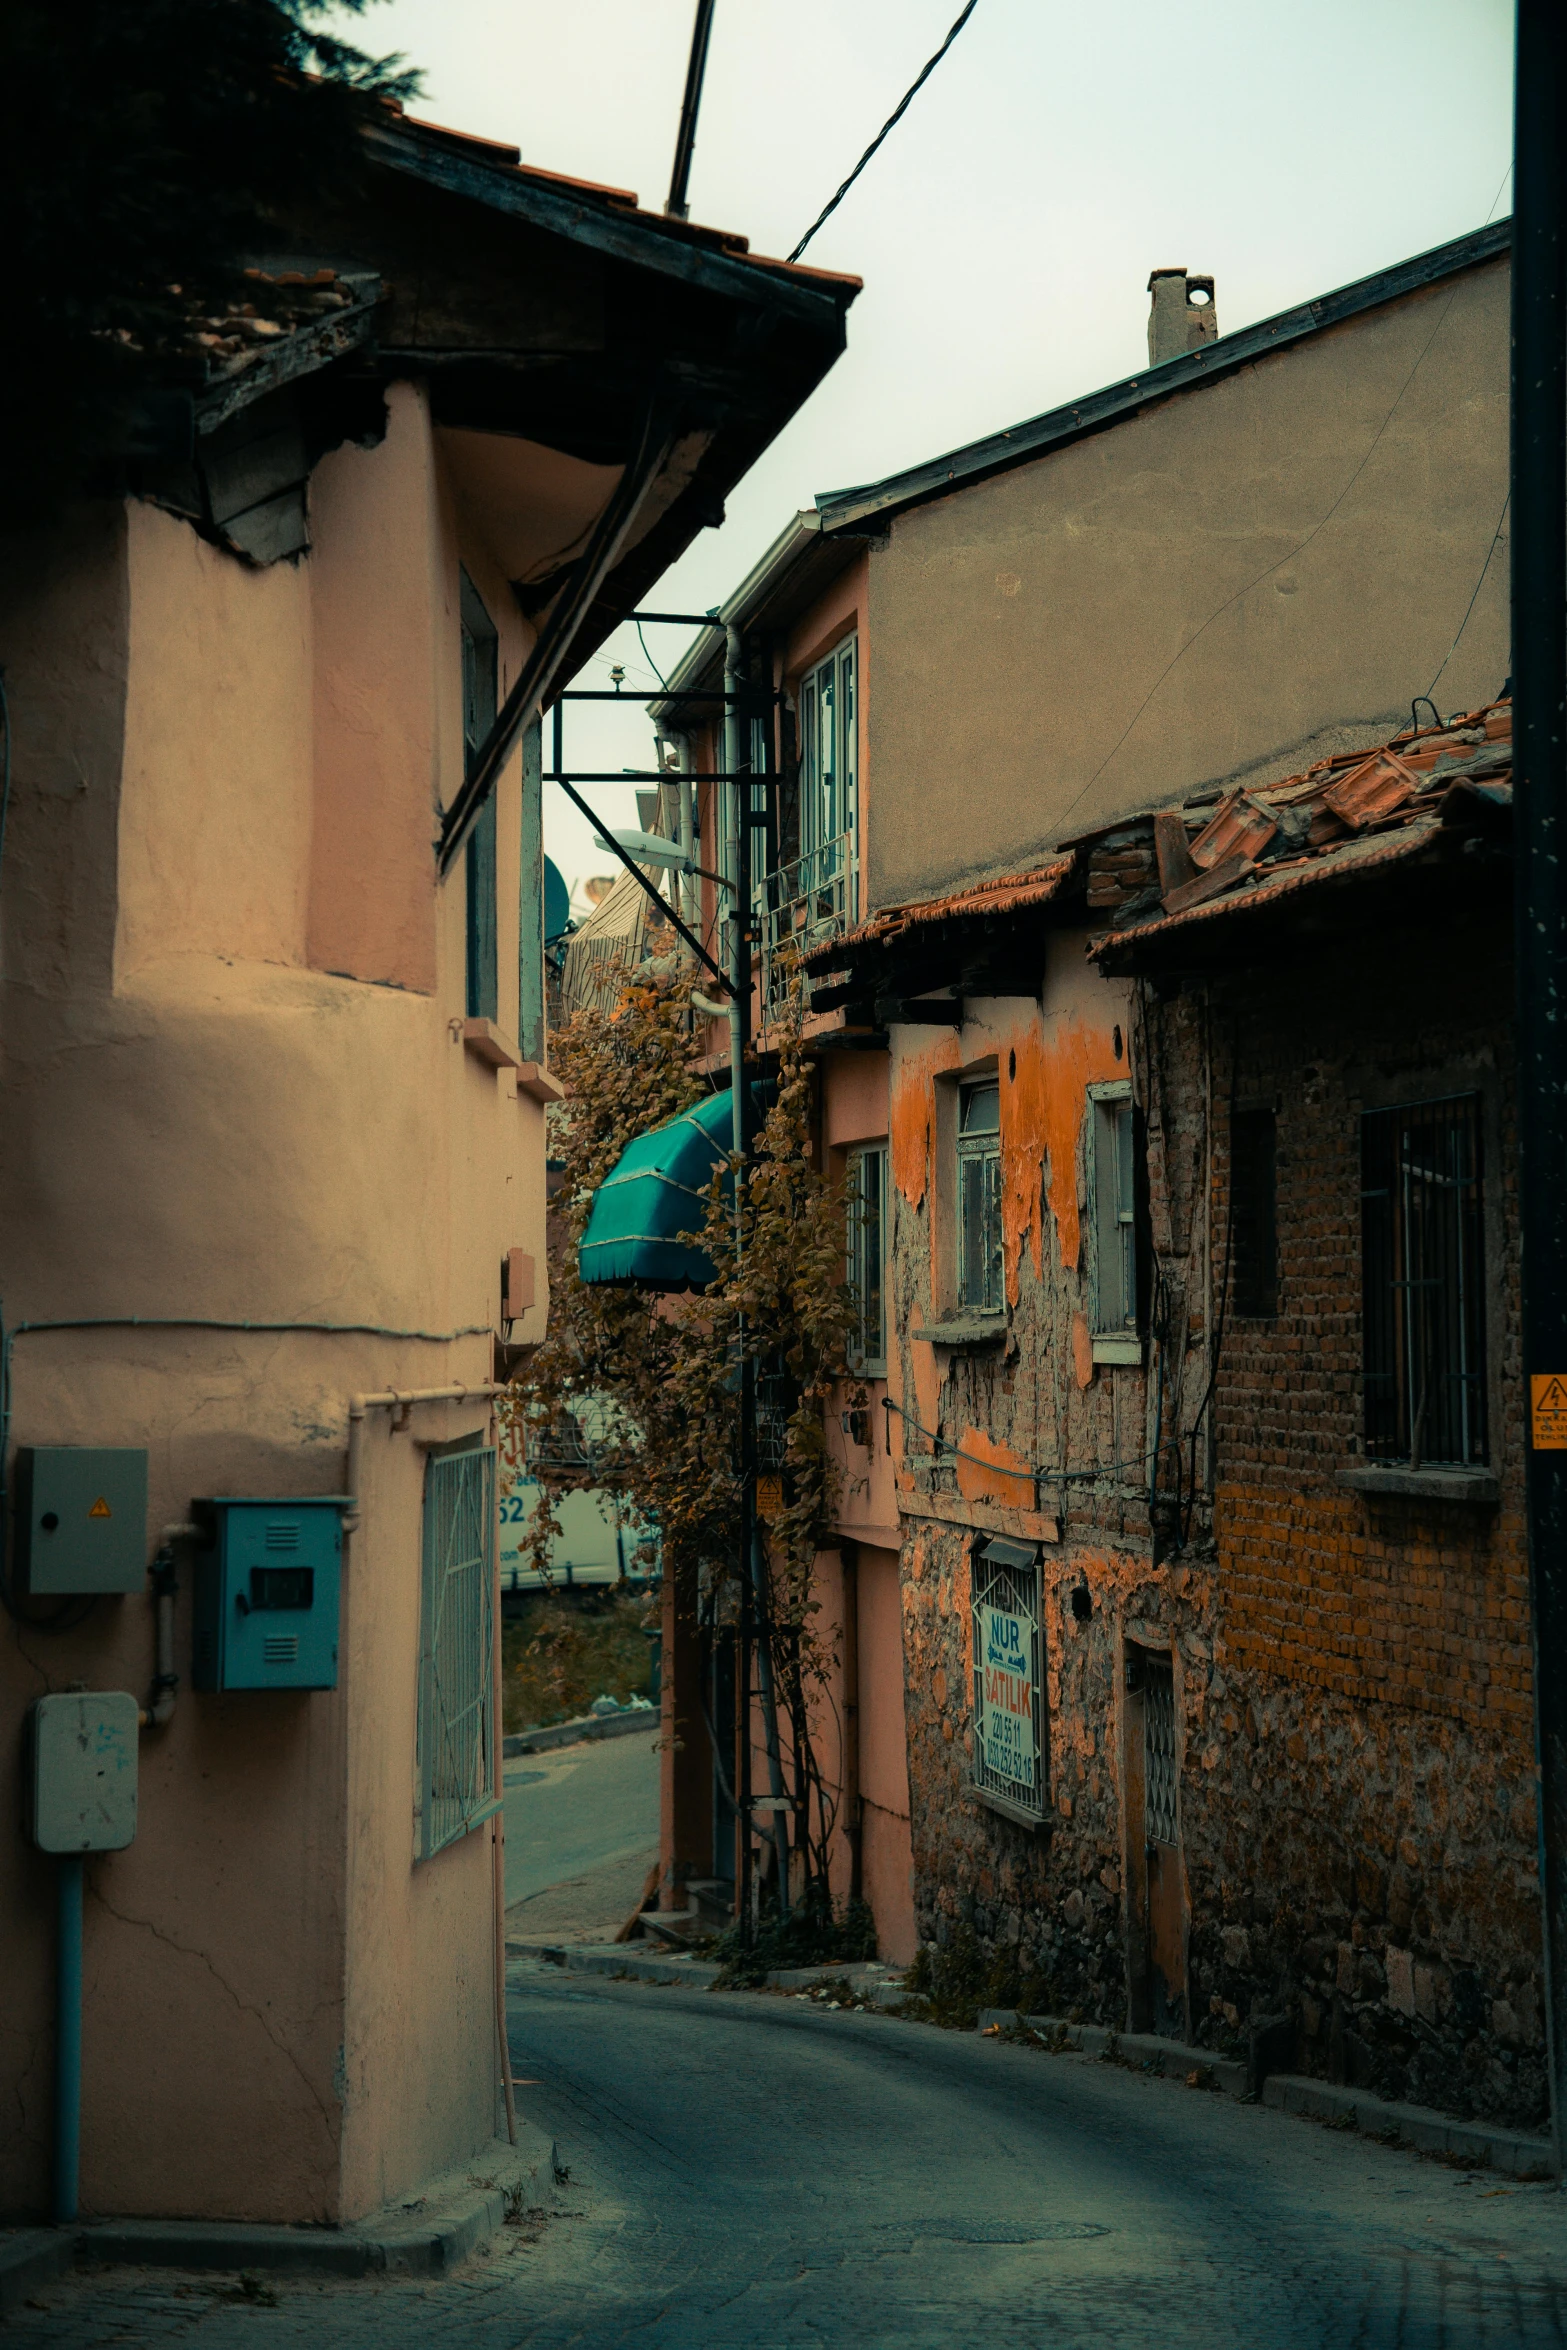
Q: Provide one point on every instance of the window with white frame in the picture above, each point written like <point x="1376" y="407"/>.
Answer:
<point x="829" y="745"/>
<point x="1112" y="1191"/>
<point x="867" y="1208"/>
<point x="979" y="1198"/>
<point x="456" y="1721"/>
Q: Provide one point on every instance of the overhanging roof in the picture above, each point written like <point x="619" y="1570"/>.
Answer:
<point x="875" y="503"/>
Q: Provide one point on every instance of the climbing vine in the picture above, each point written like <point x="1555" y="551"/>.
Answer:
<point x="635" y="1394"/>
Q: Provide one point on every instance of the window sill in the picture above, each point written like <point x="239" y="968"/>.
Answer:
<point x="486" y="1043"/>
<point x="536" y="1082"/>
<point x="964" y="1330"/>
<point x="1019" y="1814"/>
<point x="1388" y="1481"/>
<point x="1111" y="1347"/>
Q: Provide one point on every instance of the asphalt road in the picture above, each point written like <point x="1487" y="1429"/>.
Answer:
<point x="578" y="1808"/>
<point x="754" y="2171"/>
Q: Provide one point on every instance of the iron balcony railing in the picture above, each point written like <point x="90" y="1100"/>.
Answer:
<point x="815" y="897"/>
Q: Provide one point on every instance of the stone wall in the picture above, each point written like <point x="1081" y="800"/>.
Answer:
<point x="1352" y="1676"/>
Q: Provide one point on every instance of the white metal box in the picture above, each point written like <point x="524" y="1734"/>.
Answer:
<point x="84" y="1771"/>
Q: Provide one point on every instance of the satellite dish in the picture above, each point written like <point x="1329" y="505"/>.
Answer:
<point x="648" y="848"/>
<point x="557" y="903"/>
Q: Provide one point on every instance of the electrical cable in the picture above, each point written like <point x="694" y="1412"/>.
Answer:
<point x="648" y="658"/>
<point x="1474" y="599"/>
<point x="9" y="1337"/>
<point x="891" y="122"/>
<point x="1039" y="1472"/>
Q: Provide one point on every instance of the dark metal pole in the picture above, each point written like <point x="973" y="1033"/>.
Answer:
<point x="1539" y="621"/>
<point x="685" y="137"/>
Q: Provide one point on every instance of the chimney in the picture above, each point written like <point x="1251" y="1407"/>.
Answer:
<point x="1181" y="316"/>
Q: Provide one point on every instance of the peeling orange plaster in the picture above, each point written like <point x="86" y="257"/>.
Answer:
<point x="911" y="1118"/>
<point x="1024" y="1116"/>
<point x="1008" y="1479"/>
<point x="1075" y="1058"/>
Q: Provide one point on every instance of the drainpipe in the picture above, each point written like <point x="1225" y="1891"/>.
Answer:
<point x="753" y="1559"/>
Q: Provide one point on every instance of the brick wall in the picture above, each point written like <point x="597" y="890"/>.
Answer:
<point x="1353" y="1691"/>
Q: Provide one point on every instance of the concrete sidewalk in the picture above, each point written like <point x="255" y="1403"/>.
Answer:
<point x="427" y="2236"/>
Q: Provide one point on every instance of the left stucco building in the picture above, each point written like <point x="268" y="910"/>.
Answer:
<point x="274" y="1080"/>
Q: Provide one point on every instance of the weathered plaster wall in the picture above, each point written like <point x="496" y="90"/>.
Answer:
<point x="1352" y="1687"/>
<point x="287" y="2017"/>
<point x="1218" y="585"/>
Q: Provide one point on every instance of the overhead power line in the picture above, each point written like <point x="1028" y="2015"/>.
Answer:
<point x="896" y="116"/>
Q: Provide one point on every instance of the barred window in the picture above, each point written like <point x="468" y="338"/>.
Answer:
<point x="867" y="1208"/>
<point x="456" y="1732"/>
<point x="979" y="1199"/>
<point x="1423" y="1275"/>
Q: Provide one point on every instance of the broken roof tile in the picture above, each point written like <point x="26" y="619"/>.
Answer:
<point x="1372" y="790"/>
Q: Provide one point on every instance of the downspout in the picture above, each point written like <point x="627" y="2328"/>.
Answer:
<point x="753" y="1563"/>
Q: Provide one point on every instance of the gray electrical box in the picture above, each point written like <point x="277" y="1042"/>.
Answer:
<point x="81" y="1518"/>
<point x="84" y="1771"/>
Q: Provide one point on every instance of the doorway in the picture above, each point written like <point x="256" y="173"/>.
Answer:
<point x="1155" y="1895"/>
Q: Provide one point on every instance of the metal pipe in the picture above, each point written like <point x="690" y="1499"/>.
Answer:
<point x="67" y="2037"/>
<point x="752" y="1553"/>
<point x="690" y="105"/>
<point x="498" y="1825"/>
<point x="1539" y="599"/>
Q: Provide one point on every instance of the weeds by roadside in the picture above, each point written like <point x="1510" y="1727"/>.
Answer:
<point x="815" y="1933"/>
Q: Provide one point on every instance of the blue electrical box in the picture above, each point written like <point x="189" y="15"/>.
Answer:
<point x="267" y="1592"/>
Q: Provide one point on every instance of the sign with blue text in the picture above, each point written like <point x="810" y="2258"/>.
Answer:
<point x="1004" y="1644"/>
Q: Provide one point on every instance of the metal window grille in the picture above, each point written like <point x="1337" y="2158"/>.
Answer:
<point x="457" y="1655"/>
<point x="775" y="1404"/>
<point x="1159" y="1779"/>
<point x="1422" y="1265"/>
<point x="1115" y="1215"/>
<point x="1254" y="1211"/>
<point x="979" y="1199"/>
<point x="1009" y="1704"/>
<point x="867" y="1203"/>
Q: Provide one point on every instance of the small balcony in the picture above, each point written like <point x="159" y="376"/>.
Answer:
<point x="814" y="898"/>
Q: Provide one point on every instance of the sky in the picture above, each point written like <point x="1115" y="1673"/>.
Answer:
<point x="1006" y="230"/>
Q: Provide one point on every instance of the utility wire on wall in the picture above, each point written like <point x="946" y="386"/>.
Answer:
<point x="891" y="122"/>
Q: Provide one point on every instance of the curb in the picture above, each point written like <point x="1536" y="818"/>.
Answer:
<point x="30" y="2257"/>
<point x="1517" y="2154"/>
<point x="618" y="1958"/>
<point x="427" y="2236"/>
<point x="622" y="1960"/>
<point x="573" y="1733"/>
<point x="1142" y="2051"/>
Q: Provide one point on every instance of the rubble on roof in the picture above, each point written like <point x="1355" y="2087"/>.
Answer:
<point x="1190" y="863"/>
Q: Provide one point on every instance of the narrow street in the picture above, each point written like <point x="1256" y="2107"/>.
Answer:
<point x="756" y="2171"/>
<point x="581" y="1832"/>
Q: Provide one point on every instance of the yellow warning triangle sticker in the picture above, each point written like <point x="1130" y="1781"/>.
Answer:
<point x="100" y="1509"/>
<point x="1548" y="1411"/>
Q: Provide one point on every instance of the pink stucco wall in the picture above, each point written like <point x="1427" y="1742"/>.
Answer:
<point x="236" y="1088"/>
